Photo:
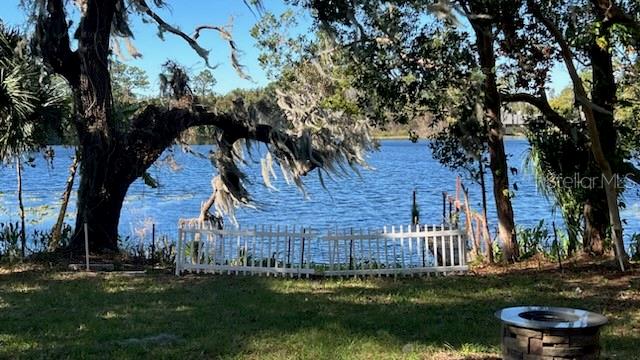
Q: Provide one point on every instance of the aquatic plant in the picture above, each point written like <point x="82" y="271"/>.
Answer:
<point x="9" y="241"/>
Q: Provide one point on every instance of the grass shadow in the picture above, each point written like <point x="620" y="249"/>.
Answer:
<point x="55" y="315"/>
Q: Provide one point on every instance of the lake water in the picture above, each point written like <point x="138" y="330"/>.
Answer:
<point x="379" y="197"/>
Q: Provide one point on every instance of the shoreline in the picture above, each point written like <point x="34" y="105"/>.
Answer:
<point x="376" y="137"/>
<point x="405" y="137"/>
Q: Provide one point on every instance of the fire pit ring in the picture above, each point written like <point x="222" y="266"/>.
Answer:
<point x="542" y="332"/>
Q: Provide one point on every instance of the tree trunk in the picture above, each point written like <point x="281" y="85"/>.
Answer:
<point x="611" y="188"/>
<point x="57" y="228"/>
<point x="100" y="210"/>
<point x="497" y="156"/>
<point x="501" y="193"/>
<point x="23" y="230"/>
<point x="487" y="239"/>
<point x="102" y="187"/>
<point x="603" y="94"/>
<point x="596" y="221"/>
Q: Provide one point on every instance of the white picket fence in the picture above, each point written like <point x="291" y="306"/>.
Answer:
<point x="304" y="252"/>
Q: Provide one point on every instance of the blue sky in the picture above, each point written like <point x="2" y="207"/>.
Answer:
<point x="156" y="51"/>
<point x="198" y="12"/>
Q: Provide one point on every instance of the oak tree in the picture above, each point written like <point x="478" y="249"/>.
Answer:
<point x="114" y="154"/>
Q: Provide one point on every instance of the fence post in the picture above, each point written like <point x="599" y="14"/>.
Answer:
<point x="288" y="247"/>
<point x="179" y="252"/>
<point x="153" y="243"/>
<point x="444" y="207"/>
<point x="275" y="265"/>
<point x="403" y="266"/>
<point x="86" y="244"/>
<point x="309" y="254"/>
<point x="302" y="248"/>
<point x="351" y="250"/>
<point x="465" y="254"/>
<point x="424" y="245"/>
<point x="269" y="253"/>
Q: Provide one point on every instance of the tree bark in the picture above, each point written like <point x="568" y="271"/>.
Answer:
<point x="497" y="156"/>
<point x="101" y="186"/>
<point x="603" y="94"/>
<point x="596" y="221"/>
<point x="101" y="212"/>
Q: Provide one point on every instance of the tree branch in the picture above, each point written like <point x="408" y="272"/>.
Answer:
<point x="192" y="40"/>
<point x="578" y="88"/>
<point x="164" y="26"/>
<point x="614" y="15"/>
<point x="52" y="39"/>
<point x="155" y="129"/>
<point x="543" y="106"/>
<point x="567" y="55"/>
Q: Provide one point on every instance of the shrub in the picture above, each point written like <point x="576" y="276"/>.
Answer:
<point x="9" y="241"/>
<point x="532" y="240"/>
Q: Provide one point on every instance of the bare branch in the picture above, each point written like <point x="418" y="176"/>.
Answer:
<point x="235" y="52"/>
<point x="192" y="40"/>
<point x="594" y="107"/>
<point x="544" y="107"/>
<point x="567" y="56"/>
<point x="257" y="4"/>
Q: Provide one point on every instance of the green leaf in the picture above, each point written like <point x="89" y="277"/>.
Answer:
<point x="602" y="42"/>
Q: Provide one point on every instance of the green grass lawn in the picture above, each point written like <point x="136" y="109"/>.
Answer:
<point x="74" y="315"/>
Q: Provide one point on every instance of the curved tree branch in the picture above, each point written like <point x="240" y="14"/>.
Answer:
<point x="578" y="87"/>
<point x="545" y="108"/>
<point x="192" y="40"/>
<point x="155" y="129"/>
<point x="628" y="169"/>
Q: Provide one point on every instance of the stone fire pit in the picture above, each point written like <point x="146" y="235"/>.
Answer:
<point x="540" y="332"/>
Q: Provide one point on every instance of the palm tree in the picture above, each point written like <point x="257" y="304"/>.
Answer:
<point x="32" y="106"/>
